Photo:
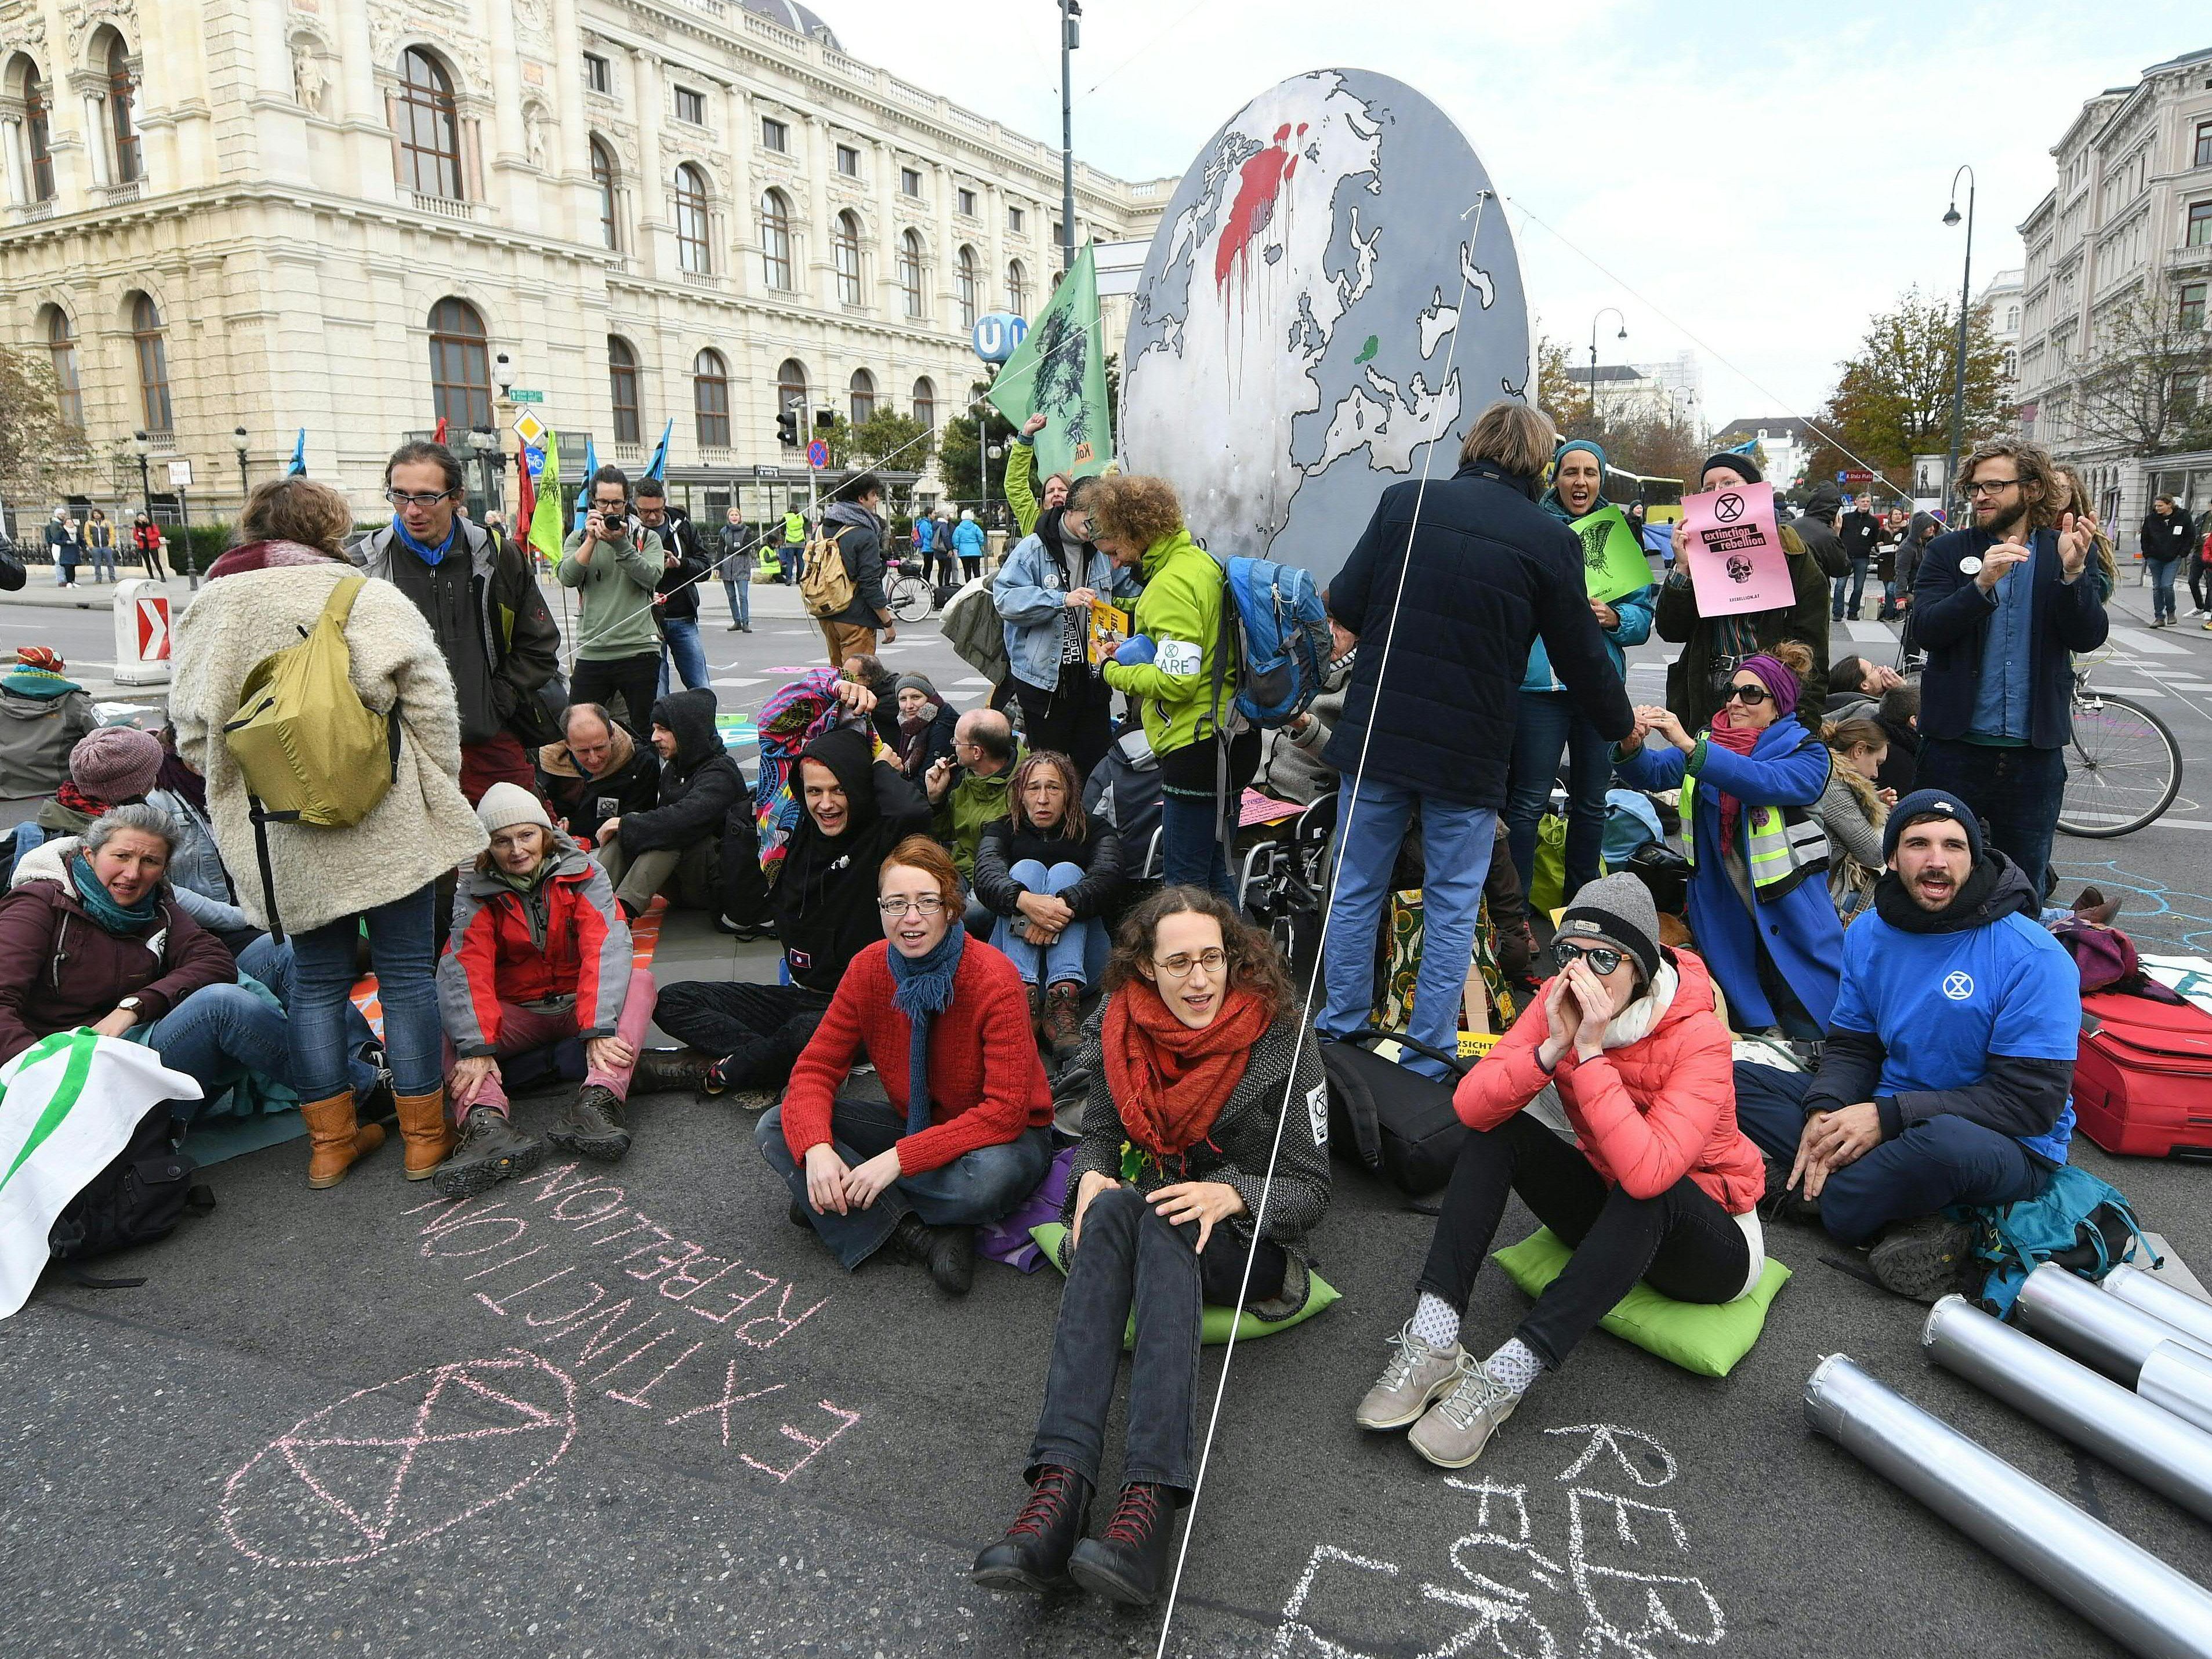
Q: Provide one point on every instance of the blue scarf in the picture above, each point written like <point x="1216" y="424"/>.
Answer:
<point x="922" y="987"/>
<point x="99" y="904"/>
<point x="429" y="556"/>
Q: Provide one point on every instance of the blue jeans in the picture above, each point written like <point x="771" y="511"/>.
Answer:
<point x="1455" y="844"/>
<point x="2163" y="572"/>
<point x="2018" y="792"/>
<point x="1066" y="958"/>
<point x="272" y="963"/>
<point x="403" y="950"/>
<point x="1857" y="580"/>
<point x="1190" y="844"/>
<point x="741" y="602"/>
<point x="103" y="563"/>
<point x="680" y="640"/>
<point x="1547" y="723"/>
<point x="1888" y="601"/>
<point x="1936" y="1162"/>
<point x="977" y="1188"/>
<point x="216" y="1031"/>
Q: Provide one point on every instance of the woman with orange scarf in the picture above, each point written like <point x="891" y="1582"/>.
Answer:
<point x="1193" y="1059"/>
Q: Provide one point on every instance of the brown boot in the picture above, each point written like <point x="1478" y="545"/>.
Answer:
<point x="1063" y="1019"/>
<point x="335" y="1140"/>
<point x="422" y="1126"/>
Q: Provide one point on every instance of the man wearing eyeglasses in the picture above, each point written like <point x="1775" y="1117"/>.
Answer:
<point x="481" y="598"/>
<point x="1999" y="607"/>
<point x="616" y="565"/>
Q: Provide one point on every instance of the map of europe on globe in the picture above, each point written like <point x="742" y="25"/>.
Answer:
<point x="1323" y="303"/>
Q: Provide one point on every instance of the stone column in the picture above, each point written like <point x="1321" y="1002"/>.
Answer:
<point x="95" y="139"/>
<point x="652" y="186"/>
<point x="13" y="153"/>
<point x="745" y="210"/>
<point x="820" y="287"/>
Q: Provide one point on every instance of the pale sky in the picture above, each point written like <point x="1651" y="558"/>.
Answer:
<point x="1759" y="177"/>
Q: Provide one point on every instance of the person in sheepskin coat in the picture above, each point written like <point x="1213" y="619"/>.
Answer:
<point x="262" y="596"/>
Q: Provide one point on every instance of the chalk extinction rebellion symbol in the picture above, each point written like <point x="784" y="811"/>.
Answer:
<point x="395" y="1464"/>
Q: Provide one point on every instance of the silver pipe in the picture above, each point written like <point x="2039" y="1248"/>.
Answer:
<point x="2148" y="1293"/>
<point x="2123" y="1589"/>
<point x="2128" y="1433"/>
<point x="2179" y="1380"/>
<point x="2099" y="1330"/>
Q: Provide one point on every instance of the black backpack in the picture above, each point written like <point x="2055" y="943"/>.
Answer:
<point x="1398" y="1123"/>
<point x="141" y="1196"/>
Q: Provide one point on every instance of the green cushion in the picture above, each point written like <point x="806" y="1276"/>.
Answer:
<point x="1213" y="1322"/>
<point x="1699" y="1337"/>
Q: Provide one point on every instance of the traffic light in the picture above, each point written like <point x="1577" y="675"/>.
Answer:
<point x="825" y="421"/>
<point x="787" y="425"/>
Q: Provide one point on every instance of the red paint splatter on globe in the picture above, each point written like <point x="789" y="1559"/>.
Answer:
<point x="1260" y="184"/>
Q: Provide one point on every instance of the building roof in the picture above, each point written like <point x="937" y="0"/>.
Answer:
<point x="1790" y="427"/>
<point x="796" y="18"/>
<point x="1620" y="372"/>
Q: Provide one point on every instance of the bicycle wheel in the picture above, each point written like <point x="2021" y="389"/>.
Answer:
<point x="910" y="599"/>
<point x="2125" y="769"/>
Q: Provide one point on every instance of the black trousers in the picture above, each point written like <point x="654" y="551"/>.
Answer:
<point x="634" y="680"/>
<point x="1682" y="1243"/>
<point x="756" y="1032"/>
<point x="2200" y="580"/>
<point x="1075" y="719"/>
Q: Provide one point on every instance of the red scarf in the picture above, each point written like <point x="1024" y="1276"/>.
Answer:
<point x="1171" y="1081"/>
<point x="77" y="801"/>
<point x="1737" y="740"/>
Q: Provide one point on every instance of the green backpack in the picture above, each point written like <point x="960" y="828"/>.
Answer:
<point x="309" y="750"/>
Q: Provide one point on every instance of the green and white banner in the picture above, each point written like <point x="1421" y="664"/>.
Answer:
<point x="68" y="1104"/>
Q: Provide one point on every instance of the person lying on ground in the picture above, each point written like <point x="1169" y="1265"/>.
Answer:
<point x="1050" y="874"/>
<point x="1195" y="1058"/>
<point x="1658" y="1184"/>
<point x="597" y="771"/>
<point x="968" y="790"/>
<point x="1759" y="903"/>
<point x="965" y="1135"/>
<point x="1854" y="687"/>
<point x="1948" y="1069"/>
<point x="924" y="724"/>
<point x="43" y="714"/>
<point x="742" y="1039"/>
<point x="537" y="980"/>
<point x="676" y="847"/>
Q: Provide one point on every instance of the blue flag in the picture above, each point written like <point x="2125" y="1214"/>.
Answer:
<point x="584" y="496"/>
<point x="658" y="468"/>
<point x="299" y="467"/>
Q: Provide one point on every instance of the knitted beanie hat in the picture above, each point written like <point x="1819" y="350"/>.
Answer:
<point x="1615" y="910"/>
<point x="1921" y="806"/>
<point x="506" y="804"/>
<point x="40" y="658"/>
<point x="116" y="762"/>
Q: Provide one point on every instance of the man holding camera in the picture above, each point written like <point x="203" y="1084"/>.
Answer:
<point x="615" y="564"/>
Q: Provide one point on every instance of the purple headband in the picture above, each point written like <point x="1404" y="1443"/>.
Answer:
<point x="1774" y="674"/>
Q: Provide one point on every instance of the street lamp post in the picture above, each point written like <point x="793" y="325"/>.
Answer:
<point x="239" y="441"/>
<point x="1071" y="37"/>
<point x="1966" y="286"/>
<point x="143" y="446"/>
<point x="1623" y="335"/>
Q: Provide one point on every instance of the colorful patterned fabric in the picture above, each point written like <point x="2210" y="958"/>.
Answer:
<point x="793" y="717"/>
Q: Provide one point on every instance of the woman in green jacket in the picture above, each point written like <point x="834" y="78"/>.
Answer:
<point x="1168" y="668"/>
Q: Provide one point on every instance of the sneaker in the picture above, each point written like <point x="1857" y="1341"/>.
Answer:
<point x="1458" y="1426"/>
<point x="592" y="1126"/>
<point x="1925" y="1260"/>
<point x="1416" y="1377"/>
<point x="491" y="1149"/>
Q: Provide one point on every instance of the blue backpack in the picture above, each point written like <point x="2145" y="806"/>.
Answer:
<point x="2080" y="1222"/>
<point x="1273" y="620"/>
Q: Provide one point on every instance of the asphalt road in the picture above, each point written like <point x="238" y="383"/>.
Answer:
<point x="632" y="1410"/>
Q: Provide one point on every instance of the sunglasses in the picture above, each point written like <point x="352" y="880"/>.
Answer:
<point x="1602" y="958"/>
<point x="1751" y="693"/>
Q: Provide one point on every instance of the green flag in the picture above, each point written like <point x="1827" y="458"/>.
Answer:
<point x="545" y="520"/>
<point x="1060" y="371"/>
<point x="1614" y="561"/>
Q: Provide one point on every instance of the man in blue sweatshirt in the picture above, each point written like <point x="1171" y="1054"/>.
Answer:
<point x="1948" y="1071"/>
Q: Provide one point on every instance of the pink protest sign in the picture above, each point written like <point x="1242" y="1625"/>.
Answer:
<point x="1736" y="562"/>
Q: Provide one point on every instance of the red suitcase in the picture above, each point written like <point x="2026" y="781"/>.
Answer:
<point x="2142" y="1084"/>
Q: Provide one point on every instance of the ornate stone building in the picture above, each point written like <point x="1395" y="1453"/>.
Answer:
<point x="338" y="214"/>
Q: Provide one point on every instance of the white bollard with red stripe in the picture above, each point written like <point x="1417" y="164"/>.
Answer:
<point x="141" y="633"/>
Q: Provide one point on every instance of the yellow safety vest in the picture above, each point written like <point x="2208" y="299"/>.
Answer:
<point x="1783" y="845"/>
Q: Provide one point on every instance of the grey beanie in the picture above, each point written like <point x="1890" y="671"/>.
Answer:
<point x="1615" y="910"/>
<point x="918" y="683"/>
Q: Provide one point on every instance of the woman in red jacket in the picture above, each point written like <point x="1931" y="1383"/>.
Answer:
<point x="1659" y="1184"/>
<point x="921" y="1172"/>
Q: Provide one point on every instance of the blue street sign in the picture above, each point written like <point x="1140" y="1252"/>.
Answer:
<point x="818" y="454"/>
<point x="998" y="335"/>
<point x="1843" y="477"/>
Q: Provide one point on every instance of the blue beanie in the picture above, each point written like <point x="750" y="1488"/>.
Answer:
<point x="1592" y="445"/>
<point x="1920" y="807"/>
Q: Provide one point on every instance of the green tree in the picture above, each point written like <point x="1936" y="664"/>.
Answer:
<point x="888" y="438"/>
<point x="959" y="451"/>
<point x="38" y="452"/>
<point x="2144" y="389"/>
<point x="1892" y="396"/>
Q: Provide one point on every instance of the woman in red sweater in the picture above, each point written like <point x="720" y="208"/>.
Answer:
<point x="1659" y="1184"/>
<point x="923" y="1171"/>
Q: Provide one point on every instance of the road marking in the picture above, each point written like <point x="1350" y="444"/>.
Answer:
<point x="2140" y="639"/>
<point x="971" y="680"/>
<point x="748" y="680"/>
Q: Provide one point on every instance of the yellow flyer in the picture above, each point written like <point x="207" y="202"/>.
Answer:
<point x="1109" y="625"/>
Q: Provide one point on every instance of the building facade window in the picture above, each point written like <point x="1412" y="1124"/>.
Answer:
<point x="910" y="183"/>
<point x="621" y="390"/>
<point x="691" y="107"/>
<point x="603" y="179"/>
<point x="429" y="127"/>
<point x="848" y="161"/>
<point x="775" y="135"/>
<point x="924" y="404"/>
<point x="967" y="203"/>
<point x="2200" y="224"/>
<point x="909" y="272"/>
<point x="845" y="257"/>
<point x="863" y="394"/>
<point x="2012" y="316"/>
<point x="599" y="74"/>
<point x="710" y="399"/>
<point x="460" y="366"/>
<point x="775" y="240"/>
<point x="965" y="281"/>
<point x="1014" y="220"/>
<point x="38" y="137"/>
<point x="791" y="391"/>
<point x="2191" y="310"/>
<point x="153" y="354"/>
<point x="121" y="91"/>
<point x="2203" y="156"/>
<point x="61" y="343"/>
<point x="693" y="251"/>
<point x="1018" y="288"/>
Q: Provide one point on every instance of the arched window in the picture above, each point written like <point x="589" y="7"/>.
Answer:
<point x="924" y="404"/>
<point x="460" y="366"/>
<point x="791" y="390"/>
<point x="864" y="397"/>
<point x="621" y="388"/>
<point x="845" y="255"/>
<point x="1018" y="288"/>
<point x="152" y="352"/>
<point x="62" y="344"/>
<point x="775" y="240"/>
<point x="429" y="126"/>
<point x="710" y="399"/>
<point x="692" y="252"/>
<point x="120" y="91"/>
<point x="909" y="272"/>
<point x="964" y="284"/>
<point x="35" y="135"/>
<point x="603" y="180"/>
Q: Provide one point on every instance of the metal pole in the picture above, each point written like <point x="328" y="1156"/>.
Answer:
<point x="1068" y="13"/>
<point x="2162" y="1364"/>
<point x="2127" y="1431"/>
<point x="1958" y="377"/>
<point x="2118" y="1586"/>
<point x="185" y="524"/>
<point x="2164" y="1303"/>
<point x="244" y="489"/>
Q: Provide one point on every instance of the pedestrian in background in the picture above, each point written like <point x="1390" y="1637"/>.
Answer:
<point x="65" y="543"/>
<point x="146" y="537"/>
<point x="1860" y="533"/>
<point x="968" y="543"/>
<point x="2167" y="537"/>
<point x="735" y="568"/>
<point x="99" y="542"/>
<point x="683" y="566"/>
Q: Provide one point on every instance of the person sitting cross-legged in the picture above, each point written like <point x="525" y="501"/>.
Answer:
<point x="1659" y="1184"/>
<point x="676" y="847"/>
<point x="964" y="1137"/>
<point x="1949" y="1070"/>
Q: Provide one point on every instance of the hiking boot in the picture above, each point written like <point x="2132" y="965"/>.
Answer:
<point x="592" y="1126"/>
<point x="670" y="1071"/>
<point x="949" y="1253"/>
<point x="1416" y="1377"/>
<point x="1782" y="1202"/>
<point x="335" y="1140"/>
<point x="1128" y="1561"/>
<point x="1925" y="1260"/>
<point x="1063" y="1019"/>
<point x="1033" y="1555"/>
<point x="1458" y="1426"/>
<point x="492" y="1151"/>
<point x="423" y="1128"/>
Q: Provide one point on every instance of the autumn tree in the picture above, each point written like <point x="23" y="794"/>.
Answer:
<point x="1892" y="395"/>
<point x="2144" y="390"/>
<point x="1635" y="437"/>
<point x="959" y="451"/>
<point x="37" y="452"/>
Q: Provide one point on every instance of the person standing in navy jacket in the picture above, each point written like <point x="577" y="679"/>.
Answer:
<point x="1999" y="608"/>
